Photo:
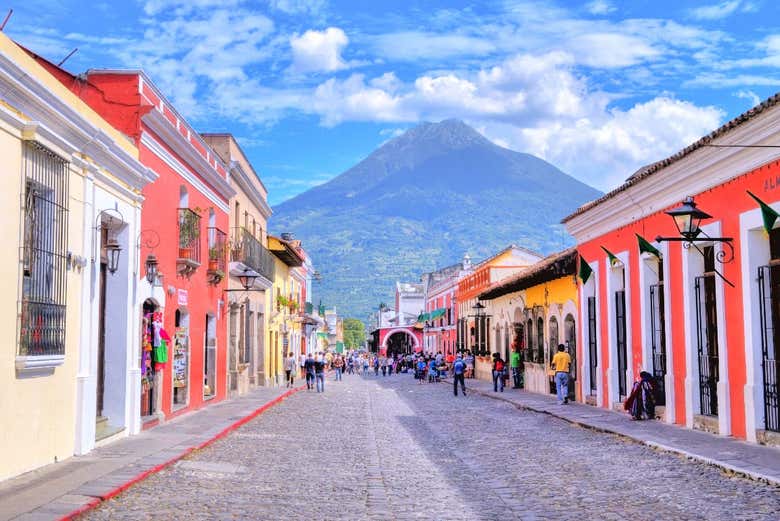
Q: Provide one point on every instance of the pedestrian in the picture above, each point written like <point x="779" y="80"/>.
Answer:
<point x="469" y="365"/>
<point x="561" y="364"/>
<point x="432" y="373"/>
<point x="516" y="363"/>
<point x="338" y="366"/>
<point x="458" y="374"/>
<point x="351" y="365"/>
<point x="390" y="362"/>
<point x="375" y="363"/>
<point x="319" y="372"/>
<point x="365" y="364"/>
<point x="309" y="370"/>
<point x="641" y="402"/>
<point x="498" y="372"/>
<point x="383" y="363"/>
<point x="420" y="372"/>
<point x="289" y="369"/>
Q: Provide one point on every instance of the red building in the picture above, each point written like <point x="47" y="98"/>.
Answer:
<point x="702" y="317"/>
<point x="441" y="313"/>
<point x="184" y="224"/>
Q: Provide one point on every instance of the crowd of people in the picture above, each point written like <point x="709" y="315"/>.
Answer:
<point x="427" y="367"/>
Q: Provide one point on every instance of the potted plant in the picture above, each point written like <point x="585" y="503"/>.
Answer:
<point x="281" y="301"/>
<point x="214" y="254"/>
<point x="189" y="231"/>
<point x="293" y="305"/>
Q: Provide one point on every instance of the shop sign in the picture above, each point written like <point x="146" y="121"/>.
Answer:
<point x="183" y="297"/>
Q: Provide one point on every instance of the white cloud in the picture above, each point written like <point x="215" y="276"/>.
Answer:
<point x="414" y="45"/>
<point x="612" y="50"/>
<point x="715" y="11"/>
<point x="308" y="7"/>
<point x="749" y="95"/>
<point x="599" y="7"/>
<point x="315" y="51"/>
<point x="153" y="7"/>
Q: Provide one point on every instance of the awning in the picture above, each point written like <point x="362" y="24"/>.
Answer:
<point x="437" y="313"/>
<point x="321" y="334"/>
<point x="339" y="347"/>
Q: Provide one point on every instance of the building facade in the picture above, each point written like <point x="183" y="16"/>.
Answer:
<point x="441" y="313"/>
<point x="247" y="250"/>
<point x="473" y="324"/>
<point x="182" y="332"/>
<point x="73" y="198"/>
<point x="535" y="311"/>
<point x="700" y="317"/>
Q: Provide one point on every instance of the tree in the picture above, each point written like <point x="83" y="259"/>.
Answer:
<point x="354" y="333"/>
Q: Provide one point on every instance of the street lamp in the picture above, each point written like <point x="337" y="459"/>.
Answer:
<point x="113" y="249"/>
<point x="479" y="323"/>
<point x="151" y="268"/>
<point x="248" y="277"/>
<point x="687" y="218"/>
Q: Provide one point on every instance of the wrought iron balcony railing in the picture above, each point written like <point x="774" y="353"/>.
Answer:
<point x="248" y="250"/>
<point x="217" y="255"/>
<point x="189" y="235"/>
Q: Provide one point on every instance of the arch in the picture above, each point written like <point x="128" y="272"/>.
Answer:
<point x="518" y="316"/>
<point x="400" y="330"/>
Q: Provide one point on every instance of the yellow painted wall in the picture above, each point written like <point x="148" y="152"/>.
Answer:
<point x="38" y="414"/>
<point x="273" y="359"/>
<point x="558" y="292"/>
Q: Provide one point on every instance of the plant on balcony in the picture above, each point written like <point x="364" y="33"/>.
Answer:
<point x="293" y="305"/>
<point x="189" y="231"/>
<point x="215" y="254"/>
<point x="281" y="301"/>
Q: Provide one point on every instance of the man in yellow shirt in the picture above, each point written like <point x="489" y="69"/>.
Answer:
<point x="561" y="362"/>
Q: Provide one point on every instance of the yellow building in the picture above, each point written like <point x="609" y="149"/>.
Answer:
<point x="536" y="310"/>
<point x="72" y="195"/>
<point x="284" y="304"/>
<point x="248" y="311"/>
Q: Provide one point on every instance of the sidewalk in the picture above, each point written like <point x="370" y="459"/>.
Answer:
<point x="64" y="489"/>
<point x="734" y="456"/>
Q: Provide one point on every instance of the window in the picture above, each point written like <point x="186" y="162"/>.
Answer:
<point x="620" y="334"/>
<point x="530" y="344"/>
<point x="658" y="335"/>
<point x="540" y="340"/>
<point x="707" y="335"/>
<point x="44" y="255"/>
<point x="592" y="348"/>
<point x="553" y="337"/>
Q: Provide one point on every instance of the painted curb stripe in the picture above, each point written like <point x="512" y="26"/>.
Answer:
<point x="157" y="468"/>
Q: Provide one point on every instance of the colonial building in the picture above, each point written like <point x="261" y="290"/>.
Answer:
<point x="441" y="313"/>
<point x="535" y="311"/>
<point x="247" y="247"/>
<point x="72" y="198"/>
<point x="283" y="303"/>
<point x="699" y="311"/>
<point x="474" y="324"/>
<point x="181" y="362"/>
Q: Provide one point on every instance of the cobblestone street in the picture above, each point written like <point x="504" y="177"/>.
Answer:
<point x="388" y="448"/>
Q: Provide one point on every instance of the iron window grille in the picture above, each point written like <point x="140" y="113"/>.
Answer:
<point x="769" y="305"/>
<point x="592" y="347"/>
<point x="620" y="330"/>
<point x="44" y="256"/>
<point x="217" y="248"/>
<point x="540" y="340"/>
<point x="658" y="340"/>
<point x="529" y="330"/>
<point x="189" y="235"/>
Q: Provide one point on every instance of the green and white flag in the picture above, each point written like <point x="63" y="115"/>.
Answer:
<point x="646" y="247"/>
<point x="613" y="261"/>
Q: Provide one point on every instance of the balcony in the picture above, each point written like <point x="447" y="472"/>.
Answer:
<point x="247" y="250"/>
<point x="217" y="256"/>
<point x="189" y="242"/>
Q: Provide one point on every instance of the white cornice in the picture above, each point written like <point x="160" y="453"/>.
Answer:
<point x="152" y="144"/>
<point x="64" y="126"/>
<point x="702" y="170"/>
<point x="236" y="172"/>
<point x="160" y="125"/>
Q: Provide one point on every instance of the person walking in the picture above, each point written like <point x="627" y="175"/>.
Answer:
<point x="641" y="402"/>
<point x="308" y="368"/>
<point x="516" y="364"/>
<point x="561" y="363"/>
<point x="375" y="362"/>
<point x="469" y="365"/>
<point x="459" y="374"/>
<point x="338" y="366"/>
<point x="383" y="363"/>
<point x="319" y="372"/>
<point x="498" y="373"/>
<point x="290" y="364"/>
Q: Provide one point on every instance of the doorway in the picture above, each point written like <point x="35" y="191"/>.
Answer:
<point x="209" y="357"/>
<point x="151" y="316"/>
<point x="180" y="372"/>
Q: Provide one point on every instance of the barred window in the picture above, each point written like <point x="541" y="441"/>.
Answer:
<point x="44" y="243"/>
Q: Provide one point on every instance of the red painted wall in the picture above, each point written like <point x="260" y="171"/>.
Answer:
<point x="725" y="202"/>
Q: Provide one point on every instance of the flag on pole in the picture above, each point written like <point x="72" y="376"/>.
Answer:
<point x="646" y="247"/>
<point x="613" y="261"/>
<point x="585" y="270"/>
<point x="768" y="214"/>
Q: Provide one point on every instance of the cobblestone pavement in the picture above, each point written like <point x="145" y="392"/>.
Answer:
<point x="388" y="448"/>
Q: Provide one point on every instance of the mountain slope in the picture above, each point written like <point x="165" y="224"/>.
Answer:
<point x="421" y="201"/>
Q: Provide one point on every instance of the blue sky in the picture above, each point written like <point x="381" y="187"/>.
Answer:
<point x="310" y="87"/>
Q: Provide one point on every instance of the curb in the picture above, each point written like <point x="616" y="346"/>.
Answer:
<point x="157" y="468"/>
<point x="726" y="467"/>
